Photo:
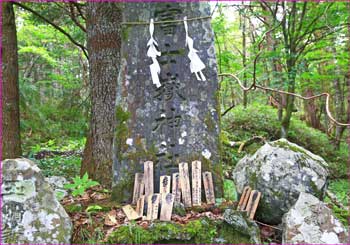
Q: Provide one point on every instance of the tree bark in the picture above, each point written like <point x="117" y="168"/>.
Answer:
<point x="244" y="57"/>
<point x="11" y="146"/>
<point x="290" y="99"/>
<point x="311" y="110"/>
<point x="104" y="42"/>
<point x="338" y="101"/>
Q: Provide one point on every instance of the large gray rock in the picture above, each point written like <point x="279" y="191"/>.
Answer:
<point x="30" y="211"/>
<point x="311" y="221"/>
<point x="179" y="121"/>
<point x="280" y="170"/>
<point x="241" y="223"/>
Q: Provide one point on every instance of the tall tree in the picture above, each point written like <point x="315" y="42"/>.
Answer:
<point x="301" y="25"/>
<point x="103" y="41"/>
<point x="10" y="103"/>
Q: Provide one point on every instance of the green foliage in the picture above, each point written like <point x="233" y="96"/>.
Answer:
<point x="243" y="123"/>
<point x="80" y="185"/>
<point x="63" y="159"/>
<point x="230" y="192"/>
<point x="93" y="209"/>
<point x="197" y="231"/>
<point x="52" y="78"/>
<point x="341" y="189"/>
<point x="66" y="166"/>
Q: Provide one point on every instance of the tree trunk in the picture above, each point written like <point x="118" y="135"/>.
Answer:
<point x="338" y="101"/>
<point x="348" y="88"/>
<point x="290" y="99"/>
<point x="11" y="147"/>
<point x="311" y="111"/>
<point x="244" y="58"/>
<point x="104" y="41"/>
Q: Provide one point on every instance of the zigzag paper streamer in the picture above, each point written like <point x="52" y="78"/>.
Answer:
<point x="196" y="64"/>
<point x="153" y="53"/>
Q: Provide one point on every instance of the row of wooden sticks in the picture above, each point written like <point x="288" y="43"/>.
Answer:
<point x="249" y="201"/>
<point x="150" y="203"/>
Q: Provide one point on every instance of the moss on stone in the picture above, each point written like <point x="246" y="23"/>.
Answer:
<point x="121" y="130"/>
<point x="125" y="33"/>
<point x="203" y="230"/>
<point x="286" y="145"/>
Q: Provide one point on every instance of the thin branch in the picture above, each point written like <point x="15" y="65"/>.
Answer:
<point x="254" y="85"/>
<point x="55" y="26"/>
<point x="78" y="6"/>
<point x="228" y="109"/>
<point x="73" y="17"/>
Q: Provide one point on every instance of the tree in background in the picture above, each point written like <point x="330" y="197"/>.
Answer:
<point x="104" y="42"/>
<point x="11" y="143"/>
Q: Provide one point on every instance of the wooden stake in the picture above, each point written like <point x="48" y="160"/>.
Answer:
<point x="176" y="190"/>
<point x="140" y="205"/>
<point x="253" y="203"/>
<point x="148" y="178"/>
<point x="153" y="206"/>
<point x="164" y="184"/>
<point x="167" y="206"/>
<point x="246" y="198"/>
<point x="185" y="184"/>
<point x="241" y="204"/>
<point x="196" y="183"/>
<point x="130" y="212"/>
<point x="138" y="187"/>
<point x="208" y="187"/>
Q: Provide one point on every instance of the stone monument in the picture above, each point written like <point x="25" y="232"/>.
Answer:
<point x="30" y="211"/>
<point x="177" y="121"/>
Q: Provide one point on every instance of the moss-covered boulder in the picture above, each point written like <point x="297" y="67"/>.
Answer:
<point x="280" y="170"/>
<point x="30" y="211"/>
<point x="203" y="230"/>
<point x="241" y="223"/>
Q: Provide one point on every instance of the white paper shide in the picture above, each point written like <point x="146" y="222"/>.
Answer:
<point x="153" y="53"/>
<point x="196" y="64"/>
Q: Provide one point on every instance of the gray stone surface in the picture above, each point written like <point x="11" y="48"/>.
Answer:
<point x="178" y="121"/>
<point x="30" y="211"/>
<point x="311" y="221"/>
<point x="57" y="184"/>
<point x="241" y="223"/>
<point x="280" y="170"/>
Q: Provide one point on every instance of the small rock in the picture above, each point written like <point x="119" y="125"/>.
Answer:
<point x="280" y="170"/>
<point x="311" y="221"/>
<point x="57" y="184"/>
<point x="179" y="209"/>
<point x="31" y="213"/>
<point x="241" y="223"/>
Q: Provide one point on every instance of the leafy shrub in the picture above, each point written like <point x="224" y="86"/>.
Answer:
<point x="80" y="185"/>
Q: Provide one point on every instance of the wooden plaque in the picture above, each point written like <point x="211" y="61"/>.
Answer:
<point x="164" y="184"/>
<point x="208" y="187"/>
<point x="138" y="187"/>
<point x="148" y="178"/>
<point x="246" y="199"/>
<point x="167" y="206"/>
<point x="176" y="190"/>
<point x="152" y="206"/>
<point x="253" y="203"/>
<point x="140" y="205"/>
<point x="185" y="184"/>
<point x="196" y="183"/>
<point x="130" y="212"/>
<point x="242" y="203"/>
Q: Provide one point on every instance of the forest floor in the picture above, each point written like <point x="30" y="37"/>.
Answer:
<point x="95" y="217"/>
